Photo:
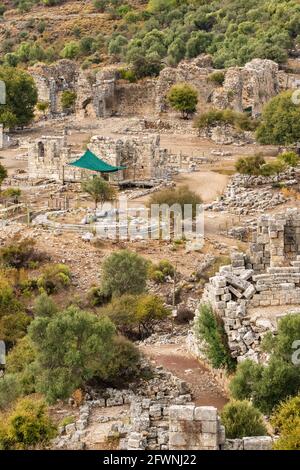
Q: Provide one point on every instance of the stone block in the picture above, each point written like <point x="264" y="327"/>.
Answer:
<point x="205" y="413"/>
<point x="258" y="443"/>
<point x="182" y="412"/>
<point x="177" y="440"/>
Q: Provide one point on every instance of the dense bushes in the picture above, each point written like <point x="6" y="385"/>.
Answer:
<point x="27" y="426"/>
<point x="161" y="271"/>
<point x="19" y="254"/>
<point x="177" y="198"/>
<point x="286" y="421"/>
<point x="242" y="419"/>
<point x="268" y="385"/>
<point x="87" y="348"/>
<point x="210" y="331"/>
<point x="256" y="165"/>
<point x="280" y="124"/>
<point x="240" y="121"/>
<point x="54" y="278"/>
<point x="124" y="272"/>
<point x="136" y="316"/>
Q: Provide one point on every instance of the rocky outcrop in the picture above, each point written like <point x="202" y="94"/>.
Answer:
<point x="250" y="87"/>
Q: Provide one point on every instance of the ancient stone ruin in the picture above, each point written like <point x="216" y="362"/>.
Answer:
<point x="143" y="158"/>
<point x="269" y="276"/>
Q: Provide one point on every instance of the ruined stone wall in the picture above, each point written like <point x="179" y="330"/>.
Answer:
<point x="52" y="80"/>
<point x="250" y="87"/>
<point x="268" y="276"/>
<point x="143" y="156"/>
<point x="137" y="99"/>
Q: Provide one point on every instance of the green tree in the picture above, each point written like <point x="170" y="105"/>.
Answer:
<point x="3" y="174"/>
<point x="210" y="330"/>
<point x="100" y="190"/>
<point x="70" y="345"/>
<point x="268" y="385"/>
<point x="242" y="419"/>
<point x="136" y="315"/>
<point x="184" y="98"/>
<point x="71" y="50"/>
<point x="124" y="272"/>
<point x="21" y="97"/>
<point x="280" y="124"/>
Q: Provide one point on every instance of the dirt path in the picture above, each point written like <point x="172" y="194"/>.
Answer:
<point x="207" y="184"/>
<point x="176" y="359"/>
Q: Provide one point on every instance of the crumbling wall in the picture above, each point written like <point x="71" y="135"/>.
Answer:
<point x="52" y="80"/>
<point x="250" y="87"/>
<point x="143" y="156"/>
<point x="268" y="276"/>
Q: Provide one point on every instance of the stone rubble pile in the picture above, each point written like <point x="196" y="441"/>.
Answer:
<point x="250" y="194"/>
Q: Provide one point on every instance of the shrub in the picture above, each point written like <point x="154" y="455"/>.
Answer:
<point x="13" y="326"/>
<point x="184" y="315"/>
<point x="19" y="254"/>
<point x="10" y="390"/>
<point x="70" y="348"/>
<point x="242" y="419"/>
<point x="128" y="75"/>
<point x="286" y="420"/>
<point x="3" y="174"/>
<point x="68" y="99"/>
<point x="289" y="158"/>
<point x="241" y="121"/>
<point x="27" y="426"/>
<point x="250" y="165"/>
<point x="159" y="272"/>
<point x="44" y="306"/>
<point x="280" y="123"/>
<point x="211" y="331"/>
<point x="54" y="278"/>
<point x="71" y="50"/>
<point x="97" y="297"/>
<point x="177" y="197"/>
<point x="136" y="316"/>
<point x="123" y="364"/>
<point x="184" y="98"/>
<point x="124" y="272"/>
<point x="217" y="78"/>
<point x="268" y="385"/>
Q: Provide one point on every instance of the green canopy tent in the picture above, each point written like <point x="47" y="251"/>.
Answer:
<point x="89" y="161"/>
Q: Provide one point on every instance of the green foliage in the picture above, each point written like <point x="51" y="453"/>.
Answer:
<point x="286" y="420"/>
<point x="68" y="99"/>
<point x="289" y="158"/>
<point x="122" y="364"/>
<point x="3" y="174"/>
<point x="128" y="75"/>
<point x="241" y="121"/>
<point x="21" y="97"/>
<point x="27" y="426"/>
<point x="19" y="254"/>
<point x="98" y="297"/>
<point x="242" y="419"/>
<point x="42" y="106"/>
<point x="217" y="78"/>
<point x="10" y="390"/>
<point x="54" y="278"/>
<point x="280" y="123"/>
<point x="100" y="190"/>
<point x="44" y="306"/>
<point x="250" y="165"/>
<point x="159" y="272"/>
<point x="268" y="385"/>
<point x="136" y="316"/>
<point x="12" y="193"/>
<point x="71" y="50"/>
<point x="71" y="346"/>
<point x="177" y="198"/>
<point x="184" y="98"/>
<point x="210" y="330"/>
<point x="124" y="272"/>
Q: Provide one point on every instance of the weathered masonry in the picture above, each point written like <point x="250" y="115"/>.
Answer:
<point x="143" y="158"/>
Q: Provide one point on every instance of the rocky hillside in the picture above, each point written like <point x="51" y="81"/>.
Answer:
<point x="148" y="35"/>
